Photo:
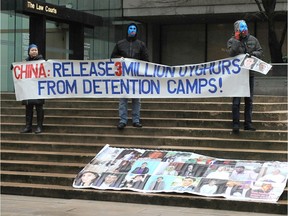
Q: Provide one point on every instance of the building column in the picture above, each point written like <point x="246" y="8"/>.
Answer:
<point x="76" y="41"/>
<point x="154" y="44"/>
<point x="37" y="32"/>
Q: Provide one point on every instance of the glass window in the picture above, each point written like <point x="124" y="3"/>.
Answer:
<point x="14" y="36"/>
<point x="88" y="44"/>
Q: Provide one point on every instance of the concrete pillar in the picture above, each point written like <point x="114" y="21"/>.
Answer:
<point x="76" y="41"/>
<point x="37" y="32"/>
<point x="154" y="42"/>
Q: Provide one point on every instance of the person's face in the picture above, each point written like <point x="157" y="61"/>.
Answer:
<point x="230" y="184"/>
<point x="267" y="187"/>
<point x="276" y="172"/>
<point x="187" y="182"/>
<point x="239" y="170"/>
<point x="243" y="27"/>
<point x="221" y="169"/>
<point x="246" y="186"/>
<point x="138" y="178"/>
<point x="87" y="177"/>
<point x="143" y="165"/>
<point x="159" y="179"/>
<point x="33" y="52"/>
<point x="190" y="168"/>
<point x="212" y="183"/>
<point x="248" y="62"/>
<point x="132" y="30"/>
<point x="262" y="67"/>
<point x="155" y="155"/>
<point x="110" y="179"/>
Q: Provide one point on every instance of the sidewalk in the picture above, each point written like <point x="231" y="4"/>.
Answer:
<point x="38" y="206"/>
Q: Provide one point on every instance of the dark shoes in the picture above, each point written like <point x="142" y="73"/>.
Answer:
<point x="235" y="129"/>
<point x="27" y="129"/>
<point x="250" y="128"/>
<point x="121" y="126"/>
<point x="38" y="130"/>
<point x="137" y="124"/>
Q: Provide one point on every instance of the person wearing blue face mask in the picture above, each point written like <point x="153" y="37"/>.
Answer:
<point x="133" y="48"/>
<point x="243" y="43"/>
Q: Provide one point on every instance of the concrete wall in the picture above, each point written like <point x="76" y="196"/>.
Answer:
<point x="276" y="86"/>
<point x="274" y="83"/>
<point x="182" y="7"/>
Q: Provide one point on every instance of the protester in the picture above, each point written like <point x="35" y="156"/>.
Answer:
<point x="243" y="43"/>
<point x="33" y="55"/>
<point x="133" y="48"/>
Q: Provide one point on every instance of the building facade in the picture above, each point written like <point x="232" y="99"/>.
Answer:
<point x="175" y="31"/>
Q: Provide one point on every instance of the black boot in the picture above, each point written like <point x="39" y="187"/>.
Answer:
<point x="28" y="117"/>
<point x="40" y="118"/>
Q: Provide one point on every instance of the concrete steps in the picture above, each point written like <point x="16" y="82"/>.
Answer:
<point x="278" y="135"/>
<point x="76" y="129"/>
<point x="148" y="121"/>
<point x="162" y="113"/>
<point x="149" y="104"/>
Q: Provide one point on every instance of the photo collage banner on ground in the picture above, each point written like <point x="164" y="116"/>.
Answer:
<point x="183" y="172"/>
<point x="130" y="78"/>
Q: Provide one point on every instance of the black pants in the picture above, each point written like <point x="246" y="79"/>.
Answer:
<point x="39" y="112"/>
<point x="247" y="109"/>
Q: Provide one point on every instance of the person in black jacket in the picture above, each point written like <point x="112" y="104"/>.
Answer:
<point x="243" y="43"/>
<point x="38" y="103"/>
<point x="130" y="47"/>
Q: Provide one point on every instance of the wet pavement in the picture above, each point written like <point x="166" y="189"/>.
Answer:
<point x="12" y="205"/>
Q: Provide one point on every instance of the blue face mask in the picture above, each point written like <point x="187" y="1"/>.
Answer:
<point x="243" y="27"/>
<point x="132" y="30"/>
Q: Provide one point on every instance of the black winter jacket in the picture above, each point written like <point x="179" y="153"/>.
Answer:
<point x="34" y="101"/>
<point x="131" y="48"/>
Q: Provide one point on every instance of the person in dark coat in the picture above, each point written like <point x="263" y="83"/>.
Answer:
<point x="130" y="47"/>
<point x="33" y="55"/>
<point x="243" y="43"/>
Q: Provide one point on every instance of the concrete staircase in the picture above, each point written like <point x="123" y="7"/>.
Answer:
<point x="76" y="129"/>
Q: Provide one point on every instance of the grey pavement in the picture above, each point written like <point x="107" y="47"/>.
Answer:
<point x="12" y="205"/>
